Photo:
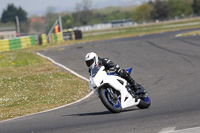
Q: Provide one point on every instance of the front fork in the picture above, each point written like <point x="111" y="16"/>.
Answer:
<point x="112" y="94"/>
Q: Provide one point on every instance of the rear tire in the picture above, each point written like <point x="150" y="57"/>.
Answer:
<point x="145" y="101"/>
<point x="113" y="105"/>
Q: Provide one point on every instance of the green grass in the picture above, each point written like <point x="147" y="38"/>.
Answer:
<point x="17" y="59"/>
<point x="143" y="29"/>
<point x="191" y="33"/>
<point x="30" y="84"/>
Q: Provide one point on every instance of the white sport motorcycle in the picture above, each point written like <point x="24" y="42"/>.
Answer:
<point x="115" y="92"/>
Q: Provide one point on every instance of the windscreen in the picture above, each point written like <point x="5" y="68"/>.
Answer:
<point x="94" y="71"/>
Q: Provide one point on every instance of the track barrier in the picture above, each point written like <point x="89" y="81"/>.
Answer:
<point x="29" y="41"/>
<point x="17" y="43"/>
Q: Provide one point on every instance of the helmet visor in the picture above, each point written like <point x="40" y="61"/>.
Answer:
<point x="89" y="62"/>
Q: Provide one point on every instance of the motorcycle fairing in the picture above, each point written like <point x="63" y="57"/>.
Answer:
<point x="126" y="99"/>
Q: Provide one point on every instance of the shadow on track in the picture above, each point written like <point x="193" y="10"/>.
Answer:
<point x="99" y="113"/>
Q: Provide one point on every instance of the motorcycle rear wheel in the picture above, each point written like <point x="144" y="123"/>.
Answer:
<point x="145" y="101"/>
<point x="113" y="105"/>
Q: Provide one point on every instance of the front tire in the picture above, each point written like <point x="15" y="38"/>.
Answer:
<point x="112" y="104"/>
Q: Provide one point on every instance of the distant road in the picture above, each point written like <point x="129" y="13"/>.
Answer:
<point x="168" y="67"/>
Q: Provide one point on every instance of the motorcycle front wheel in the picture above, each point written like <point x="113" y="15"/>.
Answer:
<point x="110" y="102"/>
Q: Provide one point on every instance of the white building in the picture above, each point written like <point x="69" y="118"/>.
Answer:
<point x="7" y="32"/>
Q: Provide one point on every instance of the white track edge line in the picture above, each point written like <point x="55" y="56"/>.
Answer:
<point x="60" y="65"/>
<point x="71" y="71"/>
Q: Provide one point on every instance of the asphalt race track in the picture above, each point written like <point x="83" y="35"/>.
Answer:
<point x="169" y="69"/>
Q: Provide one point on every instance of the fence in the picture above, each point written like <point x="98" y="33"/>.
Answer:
<point x="94" y="27"/>
<point x="107" y="25"/>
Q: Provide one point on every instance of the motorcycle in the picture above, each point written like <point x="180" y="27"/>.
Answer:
<point x="115" y="92"/>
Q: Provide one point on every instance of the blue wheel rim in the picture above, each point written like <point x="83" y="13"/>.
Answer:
<point x="117" y="106"/>
<point x="146" y="99"/>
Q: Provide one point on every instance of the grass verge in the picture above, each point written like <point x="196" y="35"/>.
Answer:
<point x="30" y="84"/>
<point x="193" y="33"/>
<point x="143" y="29"/>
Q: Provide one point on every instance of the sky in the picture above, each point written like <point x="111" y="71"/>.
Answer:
<point x="39" y="7"/>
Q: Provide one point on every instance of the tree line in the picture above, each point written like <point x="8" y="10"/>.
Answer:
<point x="147" y="12"/>
<point x="166" y="9"/>
<point x="84" y="14"/>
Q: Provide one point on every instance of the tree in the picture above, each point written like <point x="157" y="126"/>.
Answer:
<point x="180" y="8"/>
<point x="50" y="18"/>
<point x="21" y="14"/>
<point x="83" y="12"/>
<point x="160" y="10"/>
<point x="11" y="12"/>
<point x="143" y="13"/>
<point x="67" y="21"/>
<point x="117" y="14"/>
<point x="196" y="7"/>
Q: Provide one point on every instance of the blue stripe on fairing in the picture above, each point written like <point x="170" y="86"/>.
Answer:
<point x="128" y="70"/>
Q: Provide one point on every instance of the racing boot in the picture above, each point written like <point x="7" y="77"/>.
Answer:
<point x="124" y="74"/>
<point x="134" y="85"/>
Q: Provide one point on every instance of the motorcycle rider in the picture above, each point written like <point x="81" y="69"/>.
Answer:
<point x="92" y="60"/>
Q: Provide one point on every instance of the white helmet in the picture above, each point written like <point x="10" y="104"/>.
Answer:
<point x="91" y="59"/>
